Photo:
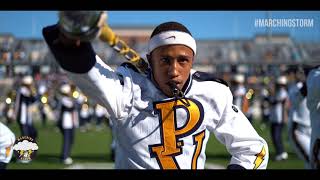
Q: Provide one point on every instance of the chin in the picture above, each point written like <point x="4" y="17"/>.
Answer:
<point x="167" y="92"/>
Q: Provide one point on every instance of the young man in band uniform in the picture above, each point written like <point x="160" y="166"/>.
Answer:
<point x="162" y="120"/>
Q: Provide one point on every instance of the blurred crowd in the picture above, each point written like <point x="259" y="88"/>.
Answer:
<point x="261" y="49"/>
<point x="52" y="98"/>
<point x="281" y="103"/>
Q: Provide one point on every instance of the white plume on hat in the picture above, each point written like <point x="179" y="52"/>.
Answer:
<point x="65" y="89"/>
<point x="239" y="78"/>
<point x="27" y="80"/>
<point x="282" y="80"/>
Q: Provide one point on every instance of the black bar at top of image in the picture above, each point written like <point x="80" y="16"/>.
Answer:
<point x="159" y="5"/>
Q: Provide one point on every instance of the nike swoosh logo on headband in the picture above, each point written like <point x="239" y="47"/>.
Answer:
<point x="174" y="37"/>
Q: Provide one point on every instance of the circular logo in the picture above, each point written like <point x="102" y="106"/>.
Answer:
<point x="25" y="149"/>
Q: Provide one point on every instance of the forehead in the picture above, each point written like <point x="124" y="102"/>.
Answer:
<point x="173" y="49"/>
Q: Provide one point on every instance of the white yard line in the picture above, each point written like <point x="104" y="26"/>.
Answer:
<point x="214" y="166"/>
<point x="91" y="166"/>
<point x="111" y="166"/>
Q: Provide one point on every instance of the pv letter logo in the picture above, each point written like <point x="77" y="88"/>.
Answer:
<point x="171" y="145"/>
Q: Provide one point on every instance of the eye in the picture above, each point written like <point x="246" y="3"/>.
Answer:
<point x="183" y="60"/>
<point x="165" y="60"/>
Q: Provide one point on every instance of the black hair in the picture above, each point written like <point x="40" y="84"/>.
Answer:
<point x="170" y="26"/>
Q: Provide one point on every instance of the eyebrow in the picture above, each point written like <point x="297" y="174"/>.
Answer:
<point x="185" y="56"/>
<point x="179" y="56"/>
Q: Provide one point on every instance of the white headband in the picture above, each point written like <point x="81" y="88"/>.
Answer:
<point x="172" y="37"/>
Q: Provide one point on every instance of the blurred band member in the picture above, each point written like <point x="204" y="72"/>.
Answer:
<point x="265" y="104"/>
<point x="9" y="107"/>
<point x="43" y="94"/>
<point x="240" y="91"/>
<point x="313" y="103"/>
<point x="66" y="122"/>
<point x="100" y="114"/>
<point x="299" y="119"/>
<point x="26" y="96"/>
<point x="83" y="113"/>
<point x="278" y="116"/>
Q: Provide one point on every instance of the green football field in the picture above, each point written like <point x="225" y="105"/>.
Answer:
<point x="93" y="147"/>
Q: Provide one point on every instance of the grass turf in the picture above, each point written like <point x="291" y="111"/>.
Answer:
<point x="94" y="147"/>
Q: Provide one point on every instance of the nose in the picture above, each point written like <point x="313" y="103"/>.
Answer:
<point x="173" y="69"/>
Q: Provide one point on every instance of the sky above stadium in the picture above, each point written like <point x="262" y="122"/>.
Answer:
<point x="301" y="25"/>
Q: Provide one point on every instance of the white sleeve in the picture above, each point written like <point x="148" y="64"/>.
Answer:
<point x="25" y="91"/>
<point x="7" y="139"/>
<point x="97" y="80"/>
<point x="234" y="130"/>
<point x="109" y="88"/>
<point x="282" y="95"/>
<point x="67" y="102"/>
<point x="294" y="98"/>
<point x="240" y="91"/>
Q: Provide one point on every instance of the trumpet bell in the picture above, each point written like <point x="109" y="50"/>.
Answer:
<point x="82" y="25"/>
